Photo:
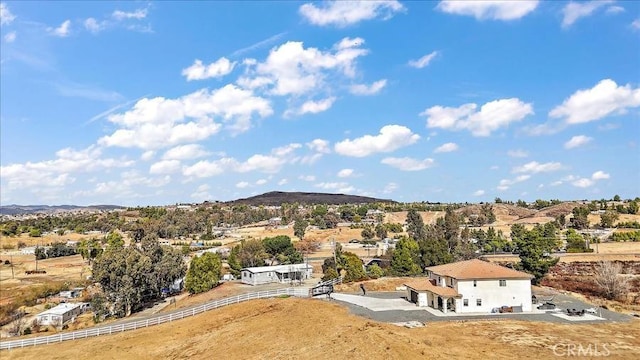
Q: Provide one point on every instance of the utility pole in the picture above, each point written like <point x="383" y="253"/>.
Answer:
<point x="335" y="261"/>
<point x="11" y="259"/>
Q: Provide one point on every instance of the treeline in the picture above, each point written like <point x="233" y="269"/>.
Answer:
<point x="57" y="249"/>
<point x="633" y="236"/>
<point x="444" y="242"/>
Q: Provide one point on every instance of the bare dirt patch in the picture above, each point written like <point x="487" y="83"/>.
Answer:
<point x="314" y="329"/>
<point x="382" y="284"/>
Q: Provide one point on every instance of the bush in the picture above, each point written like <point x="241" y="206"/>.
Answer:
<point x="7" y="262"/>
<point x="375" y="271"/>
<point x="626" y="236"/>
<point x="27" y="331"/>
<point x="628" y="225"/>
<point x="21" y="244"/>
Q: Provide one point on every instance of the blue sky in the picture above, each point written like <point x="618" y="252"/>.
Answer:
<point x="150" y="103"/>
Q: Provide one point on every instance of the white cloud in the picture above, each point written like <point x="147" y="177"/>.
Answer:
<point x="636" y="24"/>
<point x="599" y="175"/>
<point x="199" y="71"/>
<point x="448" y="147"/>
<point x="478" y="193"/>
<point x="389" y="188"/>
<point x="147" y="155"/>
<point x="604" y="99"/>
<point x="319" y="145"/>
<point x="160" y="122"/>
<point x="285" y="150"/>
<point x="263" y="163"/>
<point x="423" y="61"/>
<point x="489" y="9"/>
<point x="185" y="152"/>
<point x="575" y="10"/>
<point x="165" y="167"/>
<point x="202" y="193"/>
<point x="577" y="141"/>
<point x="137" y="14"/>
<point x="588" y="182"/>
<point x="63" y="30"/>
<point x="583" y="183"/>
<point x="408" y="164"/>
<point x="345" y="13"/>
<point x="491" y="116"/>
<point x="364" y="89"/>
<point x="535" y="167"/>
<point x="315" y="107"/>
<point x="10" y="37"/>
<point x="94" y="25"/>
<point x="59" y="171"/>
<point x="291" y="69"/>
<point x="307" y="177"/>
<point x="615" y="9"/>
<point x="390" y="138"/>
<point x="517" y="153"/>
<point x="242" y="184"/>
<point x="6" y="17"/>
<point x="341" y="187"/>
<point x="283" y="182"/>
<point x="261" y="181"/>
<point x="506" y="183"/>
<point x="206" y="168"/>
<point x="344" y="173"/>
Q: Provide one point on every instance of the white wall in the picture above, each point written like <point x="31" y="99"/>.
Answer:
<point x="516" y="293"/>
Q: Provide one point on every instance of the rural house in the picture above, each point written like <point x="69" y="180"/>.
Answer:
<point x="278" y="273"/>
<point x="61" y="314"/>
<point x="471" y="286"/>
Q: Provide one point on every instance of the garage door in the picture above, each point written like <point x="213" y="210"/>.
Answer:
<point x="414" y="296"/>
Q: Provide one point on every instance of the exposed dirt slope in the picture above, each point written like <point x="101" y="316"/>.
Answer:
<point x="316" y="329"/>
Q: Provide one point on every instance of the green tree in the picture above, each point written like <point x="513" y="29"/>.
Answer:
<point x="35" y="232"/>
<point x="354" y="268"/>
<point x="403" y="260"/>
<point x="535" y="252"/>
<point x="609" y="218"/>
<point x="114" y="240"/>
<point x="281" y="248"/>
<point x="616" y="198"/>
<point x="234" y="261"/>
<point x="299" y="228"/>
<point x="204" y="273"/>
<point x="330" y="274"/>
<point x="415" y="225"/>
<point x="252" y="253"/>
<point x="124" y="276"/>
<point x="367" y="233"/>
<point x="576" y="242"/>
<point x="381" y="231"/>
<point x="374" y="271"/>
<point x="580" y="217"/>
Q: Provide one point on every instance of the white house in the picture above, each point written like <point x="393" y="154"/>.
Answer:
<point x="471" y="286"/>
<point x="61" y="314"/>
<point x="277" y="273"/>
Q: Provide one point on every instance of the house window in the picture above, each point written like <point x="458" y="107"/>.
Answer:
<point x="478" y="302"/>
<point x="475" y="283"/>
<point x="503" y="282"/>
<point x="465" y="302"/>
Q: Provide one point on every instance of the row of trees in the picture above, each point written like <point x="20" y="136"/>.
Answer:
<point x="274" y="250"/>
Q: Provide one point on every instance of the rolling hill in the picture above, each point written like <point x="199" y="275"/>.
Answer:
<point x="276" y="198"/>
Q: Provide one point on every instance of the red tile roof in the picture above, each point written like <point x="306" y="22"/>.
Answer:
<point x="476" y="270"/>
<point x="426" y="285"/>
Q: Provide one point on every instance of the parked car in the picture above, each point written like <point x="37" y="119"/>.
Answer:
<point x="354" y="241"/>
<point x="547" y="306"/>
<point x="506" y="309"/>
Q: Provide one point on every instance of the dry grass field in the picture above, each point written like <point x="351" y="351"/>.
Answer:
<point x="316" y="329"/>
<point x="12" y="241"/>
<point x="69" y="269"/>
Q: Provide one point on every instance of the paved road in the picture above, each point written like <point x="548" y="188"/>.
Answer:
<point x="379" y="307"/>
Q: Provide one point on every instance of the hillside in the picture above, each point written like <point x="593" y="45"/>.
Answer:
<point x="316" y="329"/>
<point x="52" y="209"/>
<point x="276" y="198"/>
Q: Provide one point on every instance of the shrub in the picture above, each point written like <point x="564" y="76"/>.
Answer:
<point x="375" y="271"/>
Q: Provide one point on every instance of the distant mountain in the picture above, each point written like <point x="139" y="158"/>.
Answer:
<point x="276" y="198"/>
<point x="47" y="209"/>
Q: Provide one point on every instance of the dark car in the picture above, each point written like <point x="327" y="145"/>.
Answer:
<point x="547" y="306"/>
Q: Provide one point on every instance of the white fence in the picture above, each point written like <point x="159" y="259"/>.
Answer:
<point x="155" y="320"/>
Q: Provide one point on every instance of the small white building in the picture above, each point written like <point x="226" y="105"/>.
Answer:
<point x="276" y="274"/>
<point x="61" y="314"/>
<point x="472" y="286"/>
